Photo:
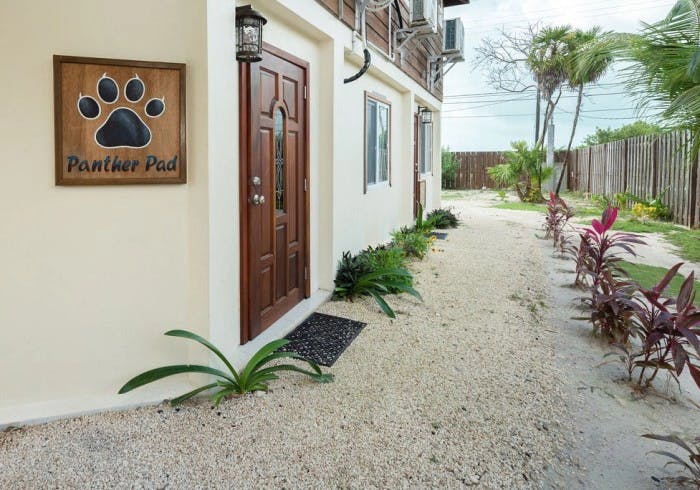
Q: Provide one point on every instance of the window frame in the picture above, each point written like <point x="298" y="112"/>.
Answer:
<point x="380" y="101"/>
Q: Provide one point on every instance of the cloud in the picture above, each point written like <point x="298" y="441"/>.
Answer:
<point x="483" y="18"/>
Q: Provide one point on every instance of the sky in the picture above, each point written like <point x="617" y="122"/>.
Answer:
<point x="477" y="117"/>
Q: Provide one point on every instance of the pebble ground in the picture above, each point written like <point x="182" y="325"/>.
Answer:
<point x="460" y="390"/>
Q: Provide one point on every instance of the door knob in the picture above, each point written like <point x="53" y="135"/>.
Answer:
<point x="258" y="200"/>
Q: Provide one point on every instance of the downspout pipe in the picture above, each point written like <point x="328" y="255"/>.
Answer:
<point x="363" y="70"/>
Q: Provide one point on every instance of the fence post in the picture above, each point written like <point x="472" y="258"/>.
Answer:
<point x="693" y="189"/>
<point x="590" y="162"/>
<point x="624" y="163"/>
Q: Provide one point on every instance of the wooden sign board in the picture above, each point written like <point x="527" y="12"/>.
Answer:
<point x="119" y="122"/>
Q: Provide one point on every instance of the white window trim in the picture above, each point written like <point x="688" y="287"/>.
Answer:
<point x="380" y="101"/>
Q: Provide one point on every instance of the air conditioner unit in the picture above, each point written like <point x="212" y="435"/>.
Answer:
<point x="424" y="16"/>
<point x="454" y="40"/>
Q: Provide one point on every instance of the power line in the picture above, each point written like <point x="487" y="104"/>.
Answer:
<point x="529" y="97"/>
<point x="480" y="94"/>
<point x="519" y="23"/>
<point x="602" y="4"/>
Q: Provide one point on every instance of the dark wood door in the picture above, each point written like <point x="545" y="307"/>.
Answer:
<point x="416" y="164"/>
<point x="273" y="189"/>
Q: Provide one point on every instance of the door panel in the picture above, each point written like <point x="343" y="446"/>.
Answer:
<point x="273" y="172"/>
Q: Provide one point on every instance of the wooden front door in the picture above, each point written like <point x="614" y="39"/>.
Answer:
<point x="416" y="164"/>
<point x="274" y="186"/>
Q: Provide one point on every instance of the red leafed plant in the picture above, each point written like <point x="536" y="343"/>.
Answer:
<point x="558" y="214"/>
<point x="669" y="330"/>
<point x="597" y="269"/>
<point x="603" y="247"/>
<point x="579" y="253"/>
<point x="610" y="308"/>
<point x="691" y="467"/>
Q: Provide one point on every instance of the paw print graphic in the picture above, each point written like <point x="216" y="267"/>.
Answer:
<point x="123" y="128"/>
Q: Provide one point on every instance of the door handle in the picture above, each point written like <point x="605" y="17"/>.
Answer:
<point x="258" y="200"/>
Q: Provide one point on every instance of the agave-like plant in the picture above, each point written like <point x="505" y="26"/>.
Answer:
<point x="253" y="377"/>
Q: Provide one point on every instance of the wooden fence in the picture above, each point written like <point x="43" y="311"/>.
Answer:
<point x="645" y="166"/>
<point x="471" y="170"/>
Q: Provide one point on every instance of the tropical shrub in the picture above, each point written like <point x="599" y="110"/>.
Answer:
<point x="254" y="376"/>
<point x="413" y="243"/>
<point x="598" y="270"/>
<point x="650" y="209"/>
<point x="362" y="275"/>
<point x="602" y="248"/>
<point x="691" y="466"/>
<point x="669" y="331"/>
<point x="602" y="201"/>
<point x="580" y="256"/>
<point x="610" y="309"/>
<point x="524" y="170"/>
<point x="443" y="218"/>
<point x="382" y="257"/>
<point x="557" y="216"/>
<point x="449" y="169"/>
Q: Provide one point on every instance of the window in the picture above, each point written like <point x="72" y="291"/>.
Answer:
<point x="426" y="148"/>
<point x="279" y="161"/>
<point x="377" y="141"/>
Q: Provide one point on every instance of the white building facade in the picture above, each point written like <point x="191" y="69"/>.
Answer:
<point x="93" y="275"/>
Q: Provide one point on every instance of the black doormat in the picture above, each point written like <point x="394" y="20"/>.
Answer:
<point x="439" y="235"/>
<point x="322" y="338"/>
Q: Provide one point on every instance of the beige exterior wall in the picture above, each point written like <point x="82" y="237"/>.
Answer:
<point x="91" y="276"/>
<point x="94" y="275"/>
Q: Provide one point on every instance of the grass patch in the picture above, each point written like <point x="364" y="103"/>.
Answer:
<point x="688" y="243"/>
<point x="649" y="275"/>
<point x="520" y="206"/>
<point x="636" y="226"/>
<point x="588" y="212"/>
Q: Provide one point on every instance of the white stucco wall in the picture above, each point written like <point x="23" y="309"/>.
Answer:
<point x="92" y="276"/>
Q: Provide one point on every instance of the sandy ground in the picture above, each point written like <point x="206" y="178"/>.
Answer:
<point x="608" y="417"/>
<point x="487" y="383"/>
<point x="460" y="390"/>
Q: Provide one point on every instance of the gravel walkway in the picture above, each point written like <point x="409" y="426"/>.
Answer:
<point x="457" y="391"/>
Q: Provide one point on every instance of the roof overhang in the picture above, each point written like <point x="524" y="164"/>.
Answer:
<point x="454" y="3"/>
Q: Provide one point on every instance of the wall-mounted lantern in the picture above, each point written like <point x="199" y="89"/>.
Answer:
<point x="249" y="33"/>
<point x="426" y="115"/>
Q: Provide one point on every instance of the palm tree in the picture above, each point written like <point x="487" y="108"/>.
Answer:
<point x="663" y="67"/>
<point x="548" y="62"/>
<point x="582" y="71"/>
<point x="523" y="170"/>
<point x="666" y="69"/>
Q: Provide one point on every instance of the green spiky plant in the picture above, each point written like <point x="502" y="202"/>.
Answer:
<point x="253" y="377"/>
<point x="355" y="277"/>
<point x="524" y="170"/>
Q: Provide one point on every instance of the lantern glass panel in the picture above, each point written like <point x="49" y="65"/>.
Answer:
<point x="249" y="35"/>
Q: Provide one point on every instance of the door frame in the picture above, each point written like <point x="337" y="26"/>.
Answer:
<point x="244" y="151"/>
